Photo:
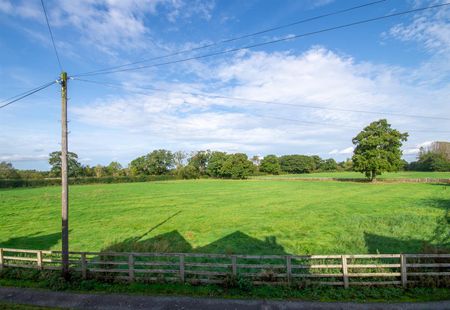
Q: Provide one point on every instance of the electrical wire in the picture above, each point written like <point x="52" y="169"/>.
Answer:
<point x="261" y="115"/>
<point x="269" y="42"/>
<point x="51" y="35"/>
<point x="240" y="37"/>
<point x="25" y="94"/>
<point x="120" y="86"/>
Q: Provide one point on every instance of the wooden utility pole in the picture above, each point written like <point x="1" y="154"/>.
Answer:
<point x="64" y="179"/>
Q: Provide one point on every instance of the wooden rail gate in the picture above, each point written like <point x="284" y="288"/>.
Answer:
<point x="340" y="270"/>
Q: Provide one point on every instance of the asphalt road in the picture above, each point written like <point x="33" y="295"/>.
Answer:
<point x="120" y="301"/>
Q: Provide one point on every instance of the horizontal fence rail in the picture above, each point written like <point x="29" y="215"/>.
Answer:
<point x="380" y="180"/>
<point x="336" y="270"/>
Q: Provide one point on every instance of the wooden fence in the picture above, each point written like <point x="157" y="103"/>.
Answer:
<point x="340" y="270"/>
<point x="362" y="180"/>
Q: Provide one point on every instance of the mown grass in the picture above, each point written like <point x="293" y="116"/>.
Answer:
<point x="356" y="175"/>
<point x="220" y="216"/>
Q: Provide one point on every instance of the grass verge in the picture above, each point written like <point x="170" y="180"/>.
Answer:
<point x="52" y="281"/>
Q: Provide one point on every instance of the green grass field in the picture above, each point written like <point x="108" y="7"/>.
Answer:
<point x="220" y="216"/>
<point x="352" y="174"/>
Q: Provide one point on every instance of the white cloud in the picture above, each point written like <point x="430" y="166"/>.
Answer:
<point x="415" y="150"/>
<point x="430" y="29"/>
<point x="348" y="150"/>
<point x="110" y="26"/>
<point x="317" y="77"/>
<point x="318" y="3"/>
<point x="19" y="157"/>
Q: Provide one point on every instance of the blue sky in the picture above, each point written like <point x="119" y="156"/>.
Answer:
<point x="399" y="65"/>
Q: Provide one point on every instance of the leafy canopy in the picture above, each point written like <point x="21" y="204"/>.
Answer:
<point x="74" y="166"/>
<point x="270" y="164"/>
<point x="378" y="149"/>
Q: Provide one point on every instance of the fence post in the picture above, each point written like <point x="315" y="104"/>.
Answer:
<point x="403" y="270"/>
<point x="288" y="269"/>
<point x="234" y="265"/>
<point x="39" y="259"/>
<point x="131" y="267"/>
<point x="1" y="259"/>
<point x="182" y="268"/>
<point x="345" y="271"/>
<point x="83" y="266"/>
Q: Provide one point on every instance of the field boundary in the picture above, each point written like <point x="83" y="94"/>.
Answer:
<point x="195" y="268"/>
<point x="362" y="180"/>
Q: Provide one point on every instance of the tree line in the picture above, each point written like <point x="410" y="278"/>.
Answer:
<point x="197" y="164"/>
<point x="377" y="149"/>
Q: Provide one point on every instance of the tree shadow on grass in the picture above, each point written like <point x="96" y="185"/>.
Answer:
<point x="174" y="242"/>
<point x="34" y="241"/>
<point x="241" y="243"/>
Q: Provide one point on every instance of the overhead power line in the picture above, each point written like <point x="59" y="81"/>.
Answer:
<point x="297" y="121"/>
<point x="240" y="37"/>
<point x="121" y="86"/>
<point x="51" y="35"/>
<point x="336" y="125"/>
<point x="269" y="42"/>
<point x="18" y="97"/>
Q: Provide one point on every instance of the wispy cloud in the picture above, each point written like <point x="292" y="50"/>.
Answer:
<point x="431" y="29"/>
<point x="346" y="151"/>
<point x="110" y="26"/>
<point x="20" y="157"/>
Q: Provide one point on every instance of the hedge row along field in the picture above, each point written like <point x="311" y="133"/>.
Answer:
<point x="232" y="217"/>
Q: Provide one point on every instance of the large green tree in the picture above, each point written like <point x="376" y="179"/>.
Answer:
<point x="72" y="161"/>
<point x="215" y="163"/>
<point x="199" y="160"/>
<point x="157" y="162"/>
<point x="378" y="149"/>
<point x="237" y="166"/>
<point x="270" y="164"/>
<point x="297" y="164"/>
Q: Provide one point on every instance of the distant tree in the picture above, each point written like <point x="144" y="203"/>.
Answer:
<point x="237" y="166"/>
<point x="297" y="164"/>
<point x="114" y="169"/>
<point x="215" y="163"/>
<point x="270" y="164"/>
<point x="199" y="160"/>
<point x="430" y="161"/>
<point x="31" y="174"/>
<point x="378" y="149"/>
<point x="74" y="166"/>
<point x="188" y="172"/>
<point x="179" y="157"/>
<point x="328" y="165"/>
<point x="99" y="171"/>
<point x="346" y="165"/>
<point x="138" y="166"/>
<point x="157" y="162"/>
<point x="7" y="171"/>
<point x="256" y="159"/>
<point x="317" y="161"/>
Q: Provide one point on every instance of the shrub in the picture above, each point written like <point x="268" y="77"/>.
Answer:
<point x="89" y="180"/>
<point x="188" y="172"/>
